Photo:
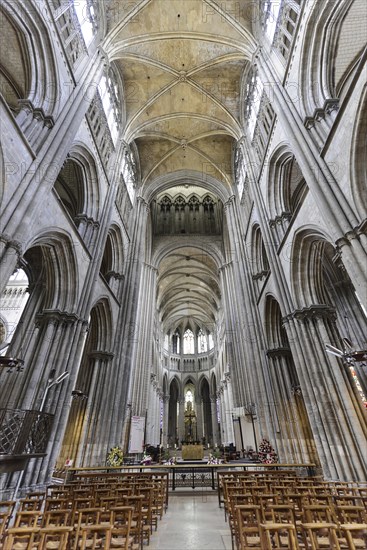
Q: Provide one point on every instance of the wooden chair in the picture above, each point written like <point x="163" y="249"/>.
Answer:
<point x="6" y="512"/>
<point x="95" y="537"/>
<point x="247" y="527"/>
<point x="147" y="492"/>
<point x="21" y="538"/>
<point x="320" y="535"/>
<point x="121" y="521"/>
<point x="136" y="502"/>
<point x="351" y="514"/>
<point x="27" y="518"/>
<point x="84" y="518"/>
<point x="54" y="538"/>
<point x="57" y="518"/>
<point x="355" y="536"/>
<point x="283" y="534"/>
<point x="30" y="504"/>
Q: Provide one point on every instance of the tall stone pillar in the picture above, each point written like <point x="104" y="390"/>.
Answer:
<point x="199" y="419"/>
<point x="133" y="319"/>
<point x="216" y="435"/>
<point x="181" y="420"/>
<point x="229" y="406"/>
<point x="336" y="418"/>
<point x="165" y="420"/>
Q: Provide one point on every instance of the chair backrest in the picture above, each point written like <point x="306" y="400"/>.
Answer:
<point x="27" y="519"/>
<point x="54" y="537"/>
<point x="24" y="538"/>
<point x="57" y="518"/>
<point x="95" y="537"/>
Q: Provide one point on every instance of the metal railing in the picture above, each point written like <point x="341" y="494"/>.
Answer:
<point x="24" y="432"/>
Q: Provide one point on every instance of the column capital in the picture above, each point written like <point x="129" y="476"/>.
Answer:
<point x="348" y="237"/>
<point x="103" y="355"/>
<point x="229" y="202"/>
<point x="143" y="202"/>
<point x="152" y="267"/>
<point x="56" y="316"/>
<point x="318" y="311"/>
<point x="11" y="243"/>
<point x="278" y="352"/>
<point x="223" y="267"/>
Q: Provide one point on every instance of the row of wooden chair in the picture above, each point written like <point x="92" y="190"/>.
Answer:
<point x="106" y="513"/>
<point x="268" y="512"/>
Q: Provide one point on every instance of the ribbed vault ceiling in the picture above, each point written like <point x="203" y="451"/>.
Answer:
<point x="188" y="288"/>
<point x="181" y="63"/>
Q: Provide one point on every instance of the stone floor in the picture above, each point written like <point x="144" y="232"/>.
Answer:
<point x="192" y="522"/>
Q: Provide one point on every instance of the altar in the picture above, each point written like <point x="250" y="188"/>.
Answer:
<point x="192" y="452"/>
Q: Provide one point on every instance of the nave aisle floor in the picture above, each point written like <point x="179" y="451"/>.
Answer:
<point x="192" y="523"/>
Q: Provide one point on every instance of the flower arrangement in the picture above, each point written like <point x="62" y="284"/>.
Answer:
<point x="146" y="460"/>
<point x="213" y="460"/>
<point x="115" y="457"/>
<point x="267" y="454"/>
<point x="171" y="461"/>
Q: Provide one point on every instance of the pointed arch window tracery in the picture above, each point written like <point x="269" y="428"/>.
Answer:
<point x="188" y="342"/>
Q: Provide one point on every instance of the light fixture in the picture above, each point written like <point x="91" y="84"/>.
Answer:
<point x="51" y="384"/>
<point x="78" y="395"/>
<point x="12" y="363"/>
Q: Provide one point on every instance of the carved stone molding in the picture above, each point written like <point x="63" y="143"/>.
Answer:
<point x="354" y="233"/>
<point x="260" y="275"/>
<point x="313" y="312"/>
<point x="321" y="113"/>
<point x="279" y="220"/>
<point x="37" y="113"/>
<point x="11" y="243"/>
<point x="56" y="316"/>
<point x="278" y="352"/>
<point x="102" y="355"/>
<point x="115" y="275"/>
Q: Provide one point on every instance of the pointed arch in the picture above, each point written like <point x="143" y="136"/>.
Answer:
<point x="328" y="30"/>
<point x="260" y="263"/>
<point x="101" y="327"/>
<point x="287" y="187"/>
<point x="52" y="256"/>
<point x="275" y="333"/>
<point x="91" y="189"/>
<point x="38" y="84"/>
<point x="112" y="266"/>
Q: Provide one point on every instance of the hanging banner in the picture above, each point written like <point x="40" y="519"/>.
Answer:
<point x="137" y="434"/>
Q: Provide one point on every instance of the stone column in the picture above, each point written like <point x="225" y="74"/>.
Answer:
<point x="165" y="420"/>
<point x="228" y="391"/>
<point x="129" y="318"/>
<point x="199" y="419"/>
<point x="10" y="252"/>
<point x="294" y="431"/>
<point x="216" y="435"/>
<point x="181" y="420"/>
<point x="335" y="416"/>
